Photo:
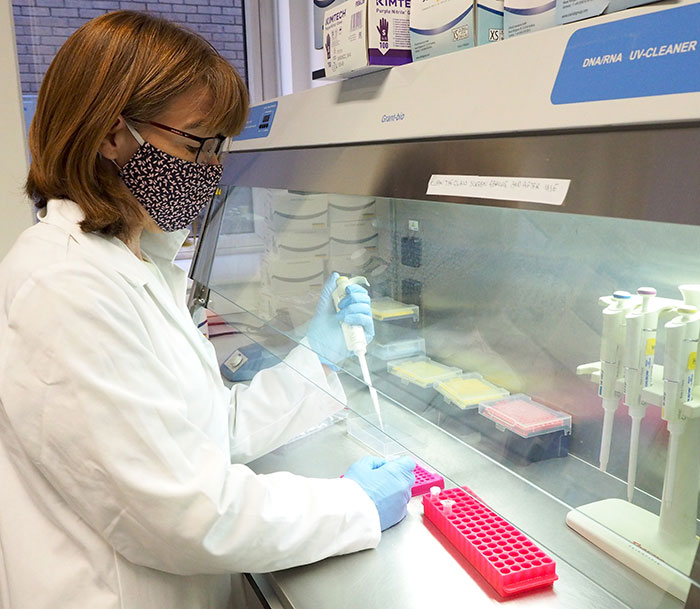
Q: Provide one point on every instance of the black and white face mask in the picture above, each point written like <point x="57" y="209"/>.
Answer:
<point x="172" y="190"/>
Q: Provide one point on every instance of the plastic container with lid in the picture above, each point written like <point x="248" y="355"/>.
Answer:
<point x="394" y="321"/>
<point x="388" y="443"/>
<point x="532" y="431"/>
<point x="468" y="390"/>
<point x="422" y="371"/>
<point x="397" y="349"/>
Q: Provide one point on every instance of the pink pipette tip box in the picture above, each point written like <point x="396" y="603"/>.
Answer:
<point x="425" y="480"/>
<point x="524" y="416"/>
<point x="507" y="559"/>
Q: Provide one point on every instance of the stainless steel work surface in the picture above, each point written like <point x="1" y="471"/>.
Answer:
<point x="415" y="565"/>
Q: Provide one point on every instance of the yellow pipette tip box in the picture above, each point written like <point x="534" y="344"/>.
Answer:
<point x="384" y="309"/>
<point x="422" y="371"/>
<point x="467" y="390"/>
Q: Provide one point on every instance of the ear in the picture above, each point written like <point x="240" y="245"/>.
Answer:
<point x="118" y="144"/>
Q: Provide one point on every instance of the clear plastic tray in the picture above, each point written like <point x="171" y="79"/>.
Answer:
<point x="389" y="331"/>
<point x="467" y="390"/>
<point x="398" y="349"/>
<point x="522" y="415"/>
<point x="422" y="371"/>
<point x="385" y="443"/>
<point x="385" y="309"/>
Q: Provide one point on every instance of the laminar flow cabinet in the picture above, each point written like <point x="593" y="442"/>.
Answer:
<point x="505" y="204"/>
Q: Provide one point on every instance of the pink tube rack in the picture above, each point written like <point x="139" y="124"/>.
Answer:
<point x="424" y="480"/>
<point x="507" y="559"/>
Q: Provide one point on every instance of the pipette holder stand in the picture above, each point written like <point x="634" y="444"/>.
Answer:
<point x="661" y="548"/>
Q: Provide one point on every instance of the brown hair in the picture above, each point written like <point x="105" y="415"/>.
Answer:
<point x="122" y="63"/>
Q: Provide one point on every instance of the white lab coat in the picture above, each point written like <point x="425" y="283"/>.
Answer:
<point x="121" y="451"/>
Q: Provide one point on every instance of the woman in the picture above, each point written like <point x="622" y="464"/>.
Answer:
<point x="120" y="449"/>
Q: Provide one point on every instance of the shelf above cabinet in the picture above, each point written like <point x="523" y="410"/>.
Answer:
<point x="614" y="70"/>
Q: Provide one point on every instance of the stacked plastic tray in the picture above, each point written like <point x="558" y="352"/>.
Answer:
<point x="396" y="330"/>
<point x="507" y="559"/>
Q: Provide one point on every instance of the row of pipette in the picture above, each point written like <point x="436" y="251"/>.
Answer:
<point x="627" y="351"/>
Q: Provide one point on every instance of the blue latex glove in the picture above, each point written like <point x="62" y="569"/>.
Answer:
<point x="325" y="335"/>
<point x="388" y="484"/>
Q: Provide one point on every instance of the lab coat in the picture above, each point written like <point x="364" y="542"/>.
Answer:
<point x="122" y="482"/>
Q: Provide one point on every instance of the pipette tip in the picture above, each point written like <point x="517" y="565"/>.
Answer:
<point x="372" y="390"/>
<point x="606" y="436"/>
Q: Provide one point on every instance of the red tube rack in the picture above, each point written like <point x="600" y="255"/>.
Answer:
<point x="507" y="559"/>
<point x="425" y="480"/>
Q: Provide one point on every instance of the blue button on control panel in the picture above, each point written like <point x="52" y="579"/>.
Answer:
<point x="259" y="122"/>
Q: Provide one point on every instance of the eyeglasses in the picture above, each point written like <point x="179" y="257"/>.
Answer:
<point x="209" y="147"/>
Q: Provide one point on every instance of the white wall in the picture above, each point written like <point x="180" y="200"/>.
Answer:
<point x="280" y="47"/>
<point x="295" y="27"/>
<point x="303" y="58"/>
<point x="15" y="208"/>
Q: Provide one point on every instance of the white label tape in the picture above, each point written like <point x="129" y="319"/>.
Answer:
<point x="532" y="190"/>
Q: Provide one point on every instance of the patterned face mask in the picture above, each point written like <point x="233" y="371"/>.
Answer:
<point x="172" y="190"/>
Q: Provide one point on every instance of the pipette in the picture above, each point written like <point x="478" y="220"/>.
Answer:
<point x="610" y="357"/>
<point x="679" y="375"/>
<point x="355" y="339"/>
<point x="640" y="345"/>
